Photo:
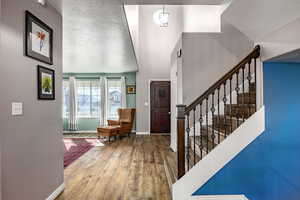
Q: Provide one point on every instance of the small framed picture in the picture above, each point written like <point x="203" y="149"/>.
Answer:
<point x="130" y="89"/>
<point x="46" y="83"/>
<point x="39" y="39"/>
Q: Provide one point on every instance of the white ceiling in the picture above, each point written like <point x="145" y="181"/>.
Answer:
<point x="96" y="37"/>
<point x="96" y="34"/>
<point x="257" y="18"/>
<point x="173" y="2"/>
<point x="293" y="57"/>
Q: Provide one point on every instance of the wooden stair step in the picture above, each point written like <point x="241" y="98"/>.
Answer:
<point x="219" y="135"/>
<point x="226" y="122"/>
<point x="246" y="98"/>
<point x="240" y="110"/>
<point x="170" y="166"/>
<point x="193" y="158"/>
<point x="252" y="87"/>
<point x="206" y="146"/>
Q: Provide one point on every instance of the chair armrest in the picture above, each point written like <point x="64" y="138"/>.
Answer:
<point x="113" y="122"/>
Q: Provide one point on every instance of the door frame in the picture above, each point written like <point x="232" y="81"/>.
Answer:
<point x="149" y="100"/>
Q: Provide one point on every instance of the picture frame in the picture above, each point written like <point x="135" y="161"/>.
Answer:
<point x="131" y="89"/>
<point x="46" y="83"/>
<point x="38" y="40"/>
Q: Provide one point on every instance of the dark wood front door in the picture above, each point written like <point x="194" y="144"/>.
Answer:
<point x="160" y="106"/>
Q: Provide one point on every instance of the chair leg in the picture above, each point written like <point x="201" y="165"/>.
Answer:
<point x="108" y="138"/>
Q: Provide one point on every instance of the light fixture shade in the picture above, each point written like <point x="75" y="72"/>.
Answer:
<point x="161" y="18"/>
<point x="42" y="2"/>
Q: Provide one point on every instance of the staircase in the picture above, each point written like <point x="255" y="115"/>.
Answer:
<point x="217" y="113"/>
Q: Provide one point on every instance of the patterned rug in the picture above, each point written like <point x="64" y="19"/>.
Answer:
<point x="76" y="147"/>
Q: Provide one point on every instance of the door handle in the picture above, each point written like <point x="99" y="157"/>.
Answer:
<point x="169" y="113"/>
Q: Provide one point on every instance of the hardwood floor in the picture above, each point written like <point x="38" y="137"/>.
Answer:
<point x="131" y="168"/>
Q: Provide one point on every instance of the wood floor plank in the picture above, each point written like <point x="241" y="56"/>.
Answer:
<point x="131" y="168"/>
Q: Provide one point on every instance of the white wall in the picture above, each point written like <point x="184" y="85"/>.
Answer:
<point x="283" y="40"/>
<point x="257" y="18"/>
<point x="208" y="56"/>
<point x="155" y="47"/>
<point x="201" y="18"/>
<point x="132" y="16"/>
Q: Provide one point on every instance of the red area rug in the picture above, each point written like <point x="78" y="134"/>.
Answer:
<point x="76" y="147"/>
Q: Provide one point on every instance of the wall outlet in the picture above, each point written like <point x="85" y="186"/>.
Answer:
<point x="17" y="108"/>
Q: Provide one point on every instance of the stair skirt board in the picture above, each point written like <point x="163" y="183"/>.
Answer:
<point x="219" y="197"/>
<point x="196" y="177"/>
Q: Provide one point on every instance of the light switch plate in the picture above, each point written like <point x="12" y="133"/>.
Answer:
<point x="17" y="108"/>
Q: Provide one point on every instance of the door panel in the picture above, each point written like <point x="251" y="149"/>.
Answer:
<point x="160" y="106"/>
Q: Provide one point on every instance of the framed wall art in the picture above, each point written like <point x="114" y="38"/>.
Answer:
<point x="130" y="89"/>
<point x="46" y="83"/>
<point x="38" y="40"/>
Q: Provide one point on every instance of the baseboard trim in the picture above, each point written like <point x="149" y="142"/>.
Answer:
<point x="57" y="192"/>
<point x="142" y="133"/>
<point x="90" y="131"/>
<point x="219" y="197"/>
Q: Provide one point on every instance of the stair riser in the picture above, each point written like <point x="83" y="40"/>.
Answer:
<point x="222" y="123"/>
<point x="245" y="99"/>
<point x="198" y="149"/>
<point x="239" y="112"/>
<point x="218" y="137"/>
<point x="252" y="87"/>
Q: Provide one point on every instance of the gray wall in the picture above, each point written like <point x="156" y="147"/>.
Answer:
<point x="208" y="56"/>
<point x="32" y="149"/>
<point x="156" y="45"/>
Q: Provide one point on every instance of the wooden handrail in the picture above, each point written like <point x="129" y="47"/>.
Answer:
<point x="253" y="55"/>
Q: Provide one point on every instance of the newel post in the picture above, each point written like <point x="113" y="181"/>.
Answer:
<point x="180" y="140"/>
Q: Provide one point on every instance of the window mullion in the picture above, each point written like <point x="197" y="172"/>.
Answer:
<point x="91" y="96"/>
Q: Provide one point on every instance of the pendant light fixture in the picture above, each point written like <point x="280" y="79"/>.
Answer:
<point x="161" y="17"/>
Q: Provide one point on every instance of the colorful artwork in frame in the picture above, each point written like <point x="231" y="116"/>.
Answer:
<point x="46" y="83"/>
<point x="39" y="39"/>
<point x="130" y="89"/>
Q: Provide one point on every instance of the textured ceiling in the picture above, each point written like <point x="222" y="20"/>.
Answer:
<point x="96" y="37"/>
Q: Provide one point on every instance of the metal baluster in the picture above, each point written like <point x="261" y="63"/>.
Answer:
<point x="218" y="114"/>
<point x="194" y="123"/>
<point x="224" y="100"/>
<point x="201" y="130"/>
<point x="237" y="89"/>
<point x="255" y="80"/>
<point x="213" y="115"/>
<point x="188" y="141"/>
<point x="243" y="88"/>
<point x="249" y="83"/>
<point x="207" y="125"/>
<point x="230" y="82"/>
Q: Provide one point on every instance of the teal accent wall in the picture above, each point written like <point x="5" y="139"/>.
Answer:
<point x="90" y="124"/>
